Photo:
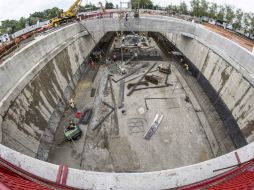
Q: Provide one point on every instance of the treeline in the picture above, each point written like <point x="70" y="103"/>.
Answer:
<point x="11" y="26"/>
<point x="237" y="17"/>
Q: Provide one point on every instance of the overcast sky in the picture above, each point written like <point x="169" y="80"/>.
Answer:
<point x="14" y="9"/>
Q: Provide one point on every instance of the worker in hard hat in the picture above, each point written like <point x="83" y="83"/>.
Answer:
<point x="71" y="126"/>
<point x="72" y="105"/>
<point x="186" y="67"/>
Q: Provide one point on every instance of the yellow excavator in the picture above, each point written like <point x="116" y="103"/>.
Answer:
<point x="65" y="16"/>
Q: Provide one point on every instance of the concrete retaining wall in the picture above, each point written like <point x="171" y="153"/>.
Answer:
<point x="224" y="67"/>
<point x="231" y="86"/>
<point x="35" y="85"/>
<point x="164" y="179"/>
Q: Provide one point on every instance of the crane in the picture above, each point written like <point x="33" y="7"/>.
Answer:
<point x="102" y="8"/>
<point x="69" y="14"/>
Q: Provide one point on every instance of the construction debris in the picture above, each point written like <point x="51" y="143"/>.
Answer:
<point x="130" y="73"/>
<point x="116" y="126"/>
<point x="151" y="131"/>
<point x="140" y="83"/>
<point x="121" y="95"/>
<point x="134" y="87"/>
<point x="165" y="70"/>
<point x="140" y="75"/>
<point x="103" y="119"/>
<point x="152" y="79"/>
<point x="93" y="90"/>
<point x="105" y="103"/>
<point x="162" y="86"/>
<point x="86" y="116"/>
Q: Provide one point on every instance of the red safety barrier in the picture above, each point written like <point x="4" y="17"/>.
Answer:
<point x="13" y="177"/>
<point x="239" y="178"/>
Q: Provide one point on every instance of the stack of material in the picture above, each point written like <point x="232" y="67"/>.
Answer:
<point x="151" y="131"/>
<point x="152" y="79"/>
<point x="165" y="70"/>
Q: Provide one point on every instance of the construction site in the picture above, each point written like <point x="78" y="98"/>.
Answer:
<point x="131" y="101"/>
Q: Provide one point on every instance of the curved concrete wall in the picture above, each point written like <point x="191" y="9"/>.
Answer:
<point x="36" y="83"/>
<point x="218" y="58"/>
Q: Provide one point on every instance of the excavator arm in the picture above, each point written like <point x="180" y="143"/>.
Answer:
<point x="72" y="11"/>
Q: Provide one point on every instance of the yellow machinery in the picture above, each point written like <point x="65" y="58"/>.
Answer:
<point x="69" y="14"/>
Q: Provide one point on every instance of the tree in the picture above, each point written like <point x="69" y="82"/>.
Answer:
<point x="109" y="5"/>
<point x="246" y="22"/>
<point x="203" y="11"/>
<point x="195" y="6"/>
<point x="199" y="7"/>
<point x="238" y="19"/>
<point x="10" y="26"/>
<point x="146" y="4"/>
<point x="212" y="10"/>
<point x="230" y="14"/>
<point x="183" y="8"/>
<point x="22" y="22"/>
<point x="221" y="14"/>
<point x="171" y="8"/>
<point x="51" y="13"/>
<point x="87" y="7"/>
<point x="251" y="31"/>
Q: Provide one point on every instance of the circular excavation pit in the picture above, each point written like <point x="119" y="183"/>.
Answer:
<point x="113" y="141"/>
<point x="153" y="99"/>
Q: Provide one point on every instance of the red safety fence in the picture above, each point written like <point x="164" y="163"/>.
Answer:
<point x="241" y="177"/>
<point x="13" y="177"/>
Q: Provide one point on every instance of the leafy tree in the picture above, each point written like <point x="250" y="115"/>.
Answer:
<point x="246" y="22"/>
<point x="183" y="8"/>
<point x="22" y="22"/>
<point x="196" y="8"/>
<point x="252" y="24"/>
<point x="147" y="4"/>
<point x="172" y="8"/>
<point x="212" y="10"/>
<point x="203" y="11"/>
<point x="238" y="19"/>
<point x="109" y="5"/>
<point x="221" y="14"/>
<point x="10" y="26"/>
<point x="87" y="7"/>
<point x="51" y="13"/>
<point x="38" y="15"/>
<point x="230" y="14"/>
<point x="199" y="7"/>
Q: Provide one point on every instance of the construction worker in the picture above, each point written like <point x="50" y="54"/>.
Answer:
<point x="114" y="58"/>
<point x="93" y="65"/>
<point x="126" y="17"/>
<point x="71" y="126"/>
<point x="186" y="67"/>
<point x="72" y="105"/>
<point x="100" y="57"/>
